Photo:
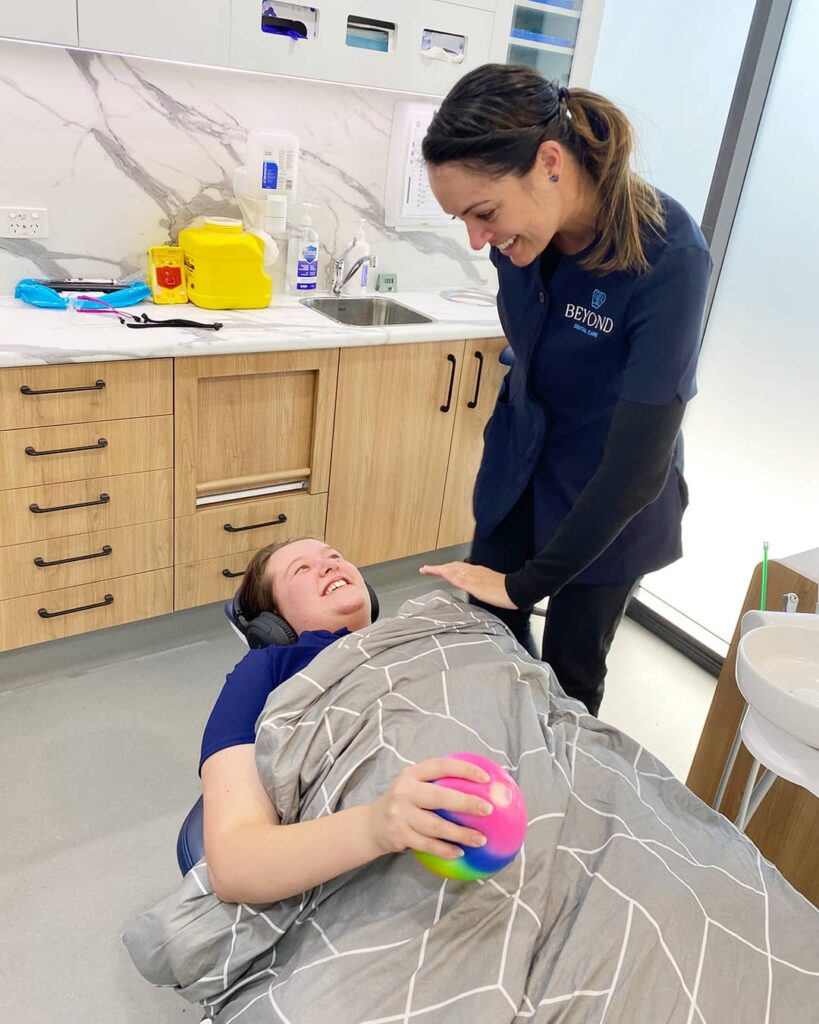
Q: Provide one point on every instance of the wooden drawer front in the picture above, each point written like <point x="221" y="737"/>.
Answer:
<point x="140" y="387"/>
<point x="204" y="535"/>
<point x="85" y="558"/>
<point x="108" y="448"/>
<point x="134" y="597"/>
<point x="247" y="422"/>
<point x="133" y="498"/>
<point x="203" y="582"/>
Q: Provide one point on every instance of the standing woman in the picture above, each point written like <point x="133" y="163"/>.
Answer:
<point x="602" y="285"/>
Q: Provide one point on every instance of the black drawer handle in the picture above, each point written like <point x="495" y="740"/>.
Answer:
<point x="474" y="402"/>
<point x="96" y="386"/>
<point x="454" y="361"/>
<point x="102" y="500"/>
<point x="42" y="564"/>
<point x="45" y="614"/>
<point x="102" y="443"/>
<point x="255" y="526"/>
<point x="231" y="575"/>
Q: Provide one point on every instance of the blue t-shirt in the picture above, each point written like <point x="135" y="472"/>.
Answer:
<point x="582" y="342"/>
<point x="233" y="719"/>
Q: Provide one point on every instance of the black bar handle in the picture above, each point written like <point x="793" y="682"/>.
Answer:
<point x="44" y="614"/>
<point x="454" y="361"/>
<point x="101" y="443"/>
<point x="40" y="562"/>
<point x="474" y="402"/>
<point x="231" y="575"/>
<point x="96" y="386"/>
<point x="255" y="526"/>
<point x="102" y="500"/>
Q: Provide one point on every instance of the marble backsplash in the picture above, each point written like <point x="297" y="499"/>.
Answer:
<point x="124" y="152"/>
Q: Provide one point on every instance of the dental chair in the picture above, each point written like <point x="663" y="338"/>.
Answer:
<point x="262" y="631"/>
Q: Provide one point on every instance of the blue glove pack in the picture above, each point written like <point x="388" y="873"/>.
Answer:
<point x="36" y="294"/>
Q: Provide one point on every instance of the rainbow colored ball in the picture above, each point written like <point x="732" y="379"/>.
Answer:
<point x="504" y="828"/>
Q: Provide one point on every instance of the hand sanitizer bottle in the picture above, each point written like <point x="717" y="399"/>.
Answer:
<point x="357" y="285"/>
<point x="302" y="255"/>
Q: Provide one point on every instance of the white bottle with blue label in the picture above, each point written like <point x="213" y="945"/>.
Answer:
<point x="272" y="163"/>
<point x="302" y="256"/>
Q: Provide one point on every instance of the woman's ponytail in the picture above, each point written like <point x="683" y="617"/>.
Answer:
<point x="602" y="141"/>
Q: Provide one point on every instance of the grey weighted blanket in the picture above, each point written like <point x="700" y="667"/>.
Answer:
<point x="630" y="903"/>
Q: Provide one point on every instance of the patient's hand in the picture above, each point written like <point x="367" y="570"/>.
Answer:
<point x="403" y="818"/>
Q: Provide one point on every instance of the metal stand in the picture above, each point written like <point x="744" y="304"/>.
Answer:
<point x="729" y="764"/>
<point x="755" y="793"/>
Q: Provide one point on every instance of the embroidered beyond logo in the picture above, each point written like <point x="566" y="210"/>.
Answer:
<point x="598" y="298"/>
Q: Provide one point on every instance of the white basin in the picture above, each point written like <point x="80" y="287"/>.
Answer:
<point x="778" y="674"/>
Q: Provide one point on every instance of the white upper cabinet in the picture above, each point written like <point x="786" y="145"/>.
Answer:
<point x="183" y="30"/>
<point x="47" y="21"/>
<point x="424" y="46"/>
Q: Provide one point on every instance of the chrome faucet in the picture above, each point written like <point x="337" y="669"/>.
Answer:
<point x="339" y="276"/>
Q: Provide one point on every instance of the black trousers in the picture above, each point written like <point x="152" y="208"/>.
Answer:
<point x="580" y="620"/>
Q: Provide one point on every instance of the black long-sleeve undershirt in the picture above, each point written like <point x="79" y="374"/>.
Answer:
<point x="632" y="472"/>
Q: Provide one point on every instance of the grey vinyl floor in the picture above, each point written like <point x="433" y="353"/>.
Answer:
<point x="99" y="740"/>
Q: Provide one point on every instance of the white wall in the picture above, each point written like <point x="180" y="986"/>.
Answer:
<point x="751" y="435"/>
<point x="123" y="152"/>
<point x="672" y="66"/>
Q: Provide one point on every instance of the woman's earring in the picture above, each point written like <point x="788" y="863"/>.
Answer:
<point x="553" y="177"/>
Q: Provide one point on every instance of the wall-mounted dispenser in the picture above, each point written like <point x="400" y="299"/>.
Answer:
<point x="445" y="46"/>
<point x="293" y="21"/>
<point x="370" y="34"/>
<point x="409" y="204"/>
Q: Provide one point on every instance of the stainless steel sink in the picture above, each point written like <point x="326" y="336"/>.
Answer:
<point x="370" y="311"/>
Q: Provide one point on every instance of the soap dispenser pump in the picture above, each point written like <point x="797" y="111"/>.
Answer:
<point x="302" y="254"/>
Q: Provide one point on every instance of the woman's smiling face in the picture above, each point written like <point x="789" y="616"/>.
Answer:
<point x="315" y="588"/>
<point x="518" y="215"/>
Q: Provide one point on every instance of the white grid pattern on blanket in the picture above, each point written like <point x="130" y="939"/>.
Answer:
<point x="529" y="1010"/>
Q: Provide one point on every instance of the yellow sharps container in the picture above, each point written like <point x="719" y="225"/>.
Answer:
<point x="224" y="266"/>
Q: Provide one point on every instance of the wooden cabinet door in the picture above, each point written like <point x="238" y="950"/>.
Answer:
<point x="391" y="446"/>
<point x="247" y="424"/>
<point x="481" y="379"/>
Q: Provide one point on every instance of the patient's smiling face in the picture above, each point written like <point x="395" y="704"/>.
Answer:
<point x="315" y="588"/>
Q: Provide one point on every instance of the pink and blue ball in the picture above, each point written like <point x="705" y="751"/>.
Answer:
<point x="504" y="828"/>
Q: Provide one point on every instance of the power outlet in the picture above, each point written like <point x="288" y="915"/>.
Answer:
<point x="23" y="222"/>
<point x="387" y="283"/>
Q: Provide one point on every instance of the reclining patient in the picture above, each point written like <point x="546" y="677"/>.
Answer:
<point x="630" y="901"/>
<point x="322" y="597"/>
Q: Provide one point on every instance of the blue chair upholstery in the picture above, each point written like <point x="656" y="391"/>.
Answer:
<point x="190" y="846"/>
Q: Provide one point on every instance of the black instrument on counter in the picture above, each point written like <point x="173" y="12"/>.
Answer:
<point x="79" y="284"/>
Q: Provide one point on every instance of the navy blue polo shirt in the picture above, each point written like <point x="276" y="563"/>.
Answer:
<point x="233" y="719"/>
<point x="583" y="341"/>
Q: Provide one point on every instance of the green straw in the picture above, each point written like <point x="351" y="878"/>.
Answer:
<point x="764" y="586"/>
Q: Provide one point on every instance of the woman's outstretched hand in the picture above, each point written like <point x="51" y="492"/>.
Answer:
<point x="404" y="819"/>
<point x="478" y="581"/>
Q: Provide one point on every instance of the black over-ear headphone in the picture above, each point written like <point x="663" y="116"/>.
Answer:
<point x="268" y="628"/>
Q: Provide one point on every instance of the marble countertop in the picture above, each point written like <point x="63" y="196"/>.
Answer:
<point x="30" y="336"/>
